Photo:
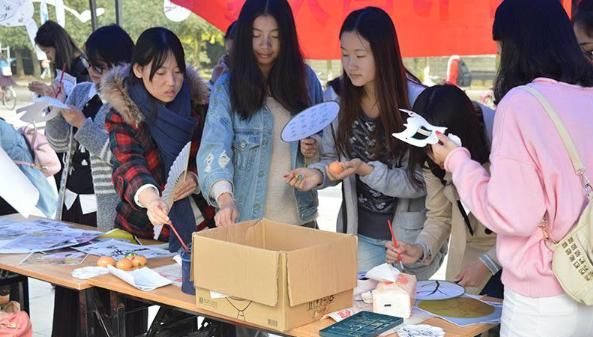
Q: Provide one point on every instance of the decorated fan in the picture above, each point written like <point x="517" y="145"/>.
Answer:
<point x="176" y="176"/>
<point x="310" y="121"/>
<point x="419" y="132"/>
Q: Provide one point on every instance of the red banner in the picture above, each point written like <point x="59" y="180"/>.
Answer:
<point x="424" y="27"/>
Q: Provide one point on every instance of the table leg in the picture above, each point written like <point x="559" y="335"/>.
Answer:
<point x="118" y="315"/>
<point x="84" y="325"/>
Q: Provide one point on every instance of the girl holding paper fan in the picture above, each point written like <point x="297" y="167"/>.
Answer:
<point x="471" y="258"/>
<point x="242" y="159"/>
<point x="86" y="194"/>
<point x="378" y="184"/>
<point x="157" y="107"/>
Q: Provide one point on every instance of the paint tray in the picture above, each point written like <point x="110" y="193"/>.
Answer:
<point x="362" y="324"/>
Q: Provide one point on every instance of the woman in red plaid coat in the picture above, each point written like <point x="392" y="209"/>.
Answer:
<point x="158" y="106"/>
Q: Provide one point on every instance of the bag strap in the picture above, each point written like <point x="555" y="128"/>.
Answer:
<point x="577" y="163"/>
<point x="575" y="159"/>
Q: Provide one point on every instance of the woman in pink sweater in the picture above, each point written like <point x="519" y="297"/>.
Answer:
<point x="531" y="174"/>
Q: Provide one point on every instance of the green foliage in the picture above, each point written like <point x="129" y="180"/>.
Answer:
<point x="201" y="41"/>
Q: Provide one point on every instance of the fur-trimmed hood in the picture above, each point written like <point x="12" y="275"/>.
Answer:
<point x="113" y="90"/>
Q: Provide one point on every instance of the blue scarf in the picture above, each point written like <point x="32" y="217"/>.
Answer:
<point x="171" y="127"/>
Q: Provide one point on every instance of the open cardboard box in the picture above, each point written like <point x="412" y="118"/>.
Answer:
<point x="274" y="275"/>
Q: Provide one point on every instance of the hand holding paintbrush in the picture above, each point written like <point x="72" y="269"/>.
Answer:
<point x="395" y="245"/>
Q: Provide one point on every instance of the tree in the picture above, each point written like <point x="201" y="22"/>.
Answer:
<point x="202" y="42"/>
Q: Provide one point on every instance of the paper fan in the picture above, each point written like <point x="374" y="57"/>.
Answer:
<point x="176" y="174"/>
<point x="310" y="121"/>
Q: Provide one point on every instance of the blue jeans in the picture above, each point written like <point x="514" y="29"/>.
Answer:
<point x="371" y="253"/>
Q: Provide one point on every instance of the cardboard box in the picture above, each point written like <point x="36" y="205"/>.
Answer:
<point x="274" y="275"/>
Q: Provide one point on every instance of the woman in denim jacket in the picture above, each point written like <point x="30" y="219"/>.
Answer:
<point x="242" y="160"/>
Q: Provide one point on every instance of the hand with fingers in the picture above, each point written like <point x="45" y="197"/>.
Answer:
<point x="441" y="150"/>
<point x="406" y="252"/>
<point x="309" y="147"/>
<point x="186" y="187"/>
<point x="73" y="116"/>
<point x="341" y="170"/>
<point x="157" y="211"/>
<point x="227" y="213"/>
<point x="41" y="89"/>
<point x="303" y="179"/>
<point x="474" y="275"/>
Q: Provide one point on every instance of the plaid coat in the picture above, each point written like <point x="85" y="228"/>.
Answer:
<point x="136" y="159"/>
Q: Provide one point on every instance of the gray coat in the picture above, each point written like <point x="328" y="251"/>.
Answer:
<point x="93" y="136"/>
<point x="410" y="211"/>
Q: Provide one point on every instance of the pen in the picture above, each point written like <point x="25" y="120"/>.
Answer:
<point x="394" y="241"/>
<point x="61" y="80"/>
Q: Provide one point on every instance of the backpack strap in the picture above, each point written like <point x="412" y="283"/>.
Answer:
<point x="577" y="163"/>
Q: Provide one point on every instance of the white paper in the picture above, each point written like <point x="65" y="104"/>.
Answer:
<point x="86" y="273"/>
<point x="68" y="81"/>
<point x="40" y="235"/>
<point x="69" y="198"/>
<point x="176" y="173"/>
<point x="119" y="249"/>
<point x="43" y="109"/>
<point x="421" y="330"/>
<point x="383" y="273"/>
<point x="16" y="188"/>
<point x="144" y="278"/>
<point x="88" y="203"/>
<point x="171" y="272"/>
<point x="310" y="121"/>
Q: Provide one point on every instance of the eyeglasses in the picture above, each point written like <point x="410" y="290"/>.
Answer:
<point x="96" y="68"/>
<point x="588" y="54"/>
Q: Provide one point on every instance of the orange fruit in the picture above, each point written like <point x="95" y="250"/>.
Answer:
<point x="105" y="261"/>
<point x="124" y="264"/>
<point x="139" y="260"/>
<point x="335" y="168"/>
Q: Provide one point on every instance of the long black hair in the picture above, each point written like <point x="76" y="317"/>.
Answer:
<point x="537" y="40"/>
<point x="51" y="34"/>
<point x="100" y="46"/>
<point x="286" y="81"/>
<point x="448" y="106"/>
<point x="391" y="81"/>
<point x="154" y="45"/>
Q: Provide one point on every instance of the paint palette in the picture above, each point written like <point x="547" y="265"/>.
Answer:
<point x="362" y="324"/>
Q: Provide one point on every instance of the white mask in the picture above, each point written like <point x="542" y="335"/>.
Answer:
<point x="417" y="126"/>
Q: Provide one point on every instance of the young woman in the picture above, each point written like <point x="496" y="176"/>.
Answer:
<point x="242" y="159"/>
<point x="531" y="175"/>
<point x="378" y="185"/>
<point x="471" y="257"/>
<point x="62" y="52"/>
<point x="86" y="194"/>
<point x="157" y="107"/>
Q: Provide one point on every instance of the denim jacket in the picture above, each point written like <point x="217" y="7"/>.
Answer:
<point x="239" y="151"/>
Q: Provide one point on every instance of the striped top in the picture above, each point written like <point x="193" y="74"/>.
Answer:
<point x="93" y="136"/>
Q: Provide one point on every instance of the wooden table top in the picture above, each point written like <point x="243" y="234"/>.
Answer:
<point x="173" y="296"/>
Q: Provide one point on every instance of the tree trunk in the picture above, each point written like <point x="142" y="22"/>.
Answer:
<point x="18" y="55"/>
<point x="36" y="65"/>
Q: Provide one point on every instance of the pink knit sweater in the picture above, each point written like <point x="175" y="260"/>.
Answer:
<point x="530" y="174"/>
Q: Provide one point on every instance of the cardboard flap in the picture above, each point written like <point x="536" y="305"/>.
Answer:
<point x="322" y="270"/>
<point x="224" y="267"/>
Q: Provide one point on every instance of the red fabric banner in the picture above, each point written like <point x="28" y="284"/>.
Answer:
<point x="424" y="27"/>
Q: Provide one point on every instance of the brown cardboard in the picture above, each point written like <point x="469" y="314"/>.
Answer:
<point x="275" y="275"/>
